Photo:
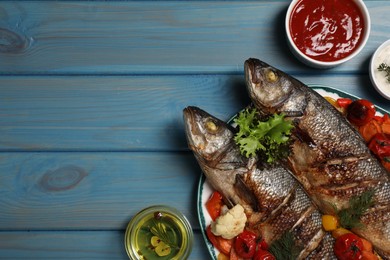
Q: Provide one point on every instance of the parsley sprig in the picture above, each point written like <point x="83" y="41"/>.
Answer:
<point x="386" y="68"/>
<point x="268" y="138"/>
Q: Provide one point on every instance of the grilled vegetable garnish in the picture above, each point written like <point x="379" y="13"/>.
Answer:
<point x="269" y="138"/>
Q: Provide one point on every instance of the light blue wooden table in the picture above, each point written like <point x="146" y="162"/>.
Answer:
<point x="91" y="99"/>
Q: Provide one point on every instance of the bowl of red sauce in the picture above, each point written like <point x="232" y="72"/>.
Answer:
<point x="326" y="33"/>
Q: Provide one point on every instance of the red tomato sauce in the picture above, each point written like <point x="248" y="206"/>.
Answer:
<point x="326" y="30"/>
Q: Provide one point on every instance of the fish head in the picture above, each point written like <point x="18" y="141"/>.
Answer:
<point x="212" y="142"/>
<point x="267" y="86"/>
<point x="206" y="135"/>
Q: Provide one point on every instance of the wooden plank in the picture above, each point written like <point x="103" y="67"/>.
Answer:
<point x="133" y="113"/>
<point x="106" y="113"/>
<point x="75" y="244"/>
<point x="84" y="37"/>
<point x="93" y="191"/>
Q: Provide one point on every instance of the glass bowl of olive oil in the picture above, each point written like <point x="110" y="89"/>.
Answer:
<point x="158" y="232"/>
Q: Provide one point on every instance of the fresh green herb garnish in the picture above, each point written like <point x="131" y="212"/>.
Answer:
<point x="285" y="248"/>
<point x="350" y="217"/>
<point x="164" y="233"/>
<point x="269" y="138"/>
<point x="386" y="68"/>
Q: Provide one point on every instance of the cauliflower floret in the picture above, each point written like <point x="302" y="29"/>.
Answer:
<point x="230" y="224"/>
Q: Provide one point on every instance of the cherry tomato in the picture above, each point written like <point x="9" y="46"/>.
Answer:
<point x="348" y="247"/>
<point x="214" y="205"/>
<point x="344" y="102"/>
<point x="380" y="145"/>
<point x="223" y="245"/>
<point x="245" y="244"/>
<point x="360" y="112"/>
<point x="263" y="255"/>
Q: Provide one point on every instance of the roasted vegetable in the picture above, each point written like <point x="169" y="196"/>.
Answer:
<point x="245" y="244"/>
<point x="360" y="112"/>
<point x="231" y="223"/>
<point x="214" y="205"/>
<point x="348" y="247"/>
<point x="221" y="244"/>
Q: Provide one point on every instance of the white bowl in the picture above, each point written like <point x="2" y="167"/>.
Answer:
<point x="327" y="64"/>
<point x="378" y="78"/>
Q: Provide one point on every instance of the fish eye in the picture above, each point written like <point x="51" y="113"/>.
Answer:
<point x="211" y="126"/>
<point x="271" y="76"/>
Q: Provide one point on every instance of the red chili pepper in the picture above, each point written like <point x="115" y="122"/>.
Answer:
<point x="214" y="205"/>
<point x="360" y="112"/>
<point x="245" y="244"/>
<point x="344" y="102"/>
<point x="348" y="247"/>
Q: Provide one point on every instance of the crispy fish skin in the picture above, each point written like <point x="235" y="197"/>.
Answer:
<point x="273" y="200"/>
<point x="328" y="156"/>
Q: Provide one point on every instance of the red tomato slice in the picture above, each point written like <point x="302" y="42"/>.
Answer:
<point x="214" y="205"/>
<point x="223" y="245"/>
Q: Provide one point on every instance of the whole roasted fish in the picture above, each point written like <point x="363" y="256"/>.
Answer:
<point x="328" y="156"/>
<point x="273" y="200"/>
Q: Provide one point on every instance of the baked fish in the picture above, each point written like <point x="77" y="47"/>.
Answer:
<point x="273" y="200"/>
<point x="328" y="156"/>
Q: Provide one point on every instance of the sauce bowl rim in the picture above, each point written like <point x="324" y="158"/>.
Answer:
<point x="328" y="64"/>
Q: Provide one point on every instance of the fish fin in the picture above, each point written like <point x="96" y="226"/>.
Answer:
<point x="246" y="194"/>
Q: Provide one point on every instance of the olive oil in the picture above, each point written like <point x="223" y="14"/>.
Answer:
<point x="158" y="232"/>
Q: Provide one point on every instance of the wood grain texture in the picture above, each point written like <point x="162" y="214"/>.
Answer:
<point x="75" y="245"/>
<point x="132" y="113"/>
<point x="92" y="191"/>
<point x="56" y="37"/>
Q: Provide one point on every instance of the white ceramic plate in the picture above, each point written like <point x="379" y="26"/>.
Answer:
<point x="205" y="190"/>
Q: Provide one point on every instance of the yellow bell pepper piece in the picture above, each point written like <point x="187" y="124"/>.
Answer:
<point x="329" y="222"/>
